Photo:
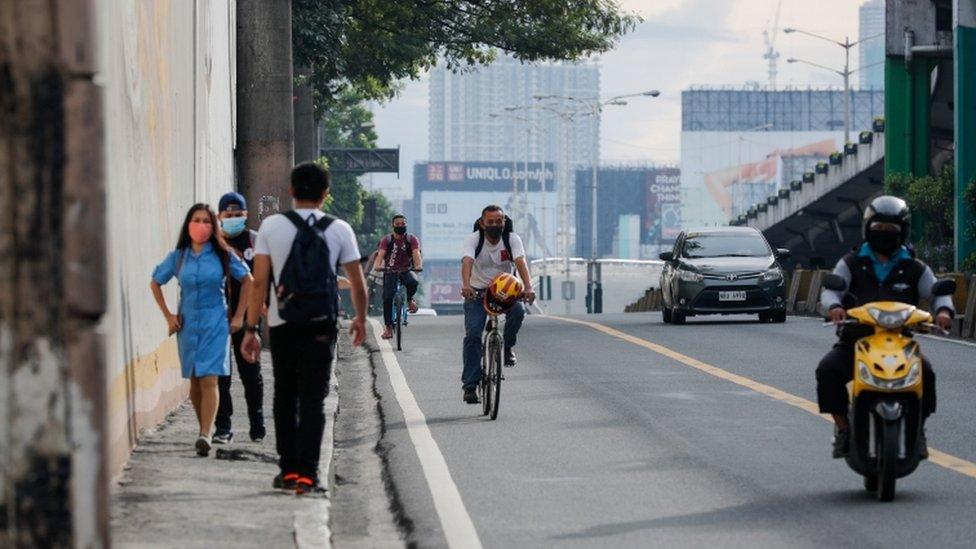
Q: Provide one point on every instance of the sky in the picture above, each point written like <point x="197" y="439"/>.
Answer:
<point x="681" y="43"/>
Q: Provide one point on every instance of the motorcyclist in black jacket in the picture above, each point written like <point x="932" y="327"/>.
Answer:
<point x="881" y="269"/>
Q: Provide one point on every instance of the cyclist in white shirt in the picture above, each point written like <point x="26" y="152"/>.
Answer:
<point x="490" y="250"/>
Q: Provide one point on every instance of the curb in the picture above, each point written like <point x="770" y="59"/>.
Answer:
<point x="312" y="525"/>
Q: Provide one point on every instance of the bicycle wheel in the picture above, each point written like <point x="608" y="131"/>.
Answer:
<point x="495" y="378"/>
<point x="483" y="385"/>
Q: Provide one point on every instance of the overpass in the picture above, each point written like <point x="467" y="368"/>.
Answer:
<point x="819" y="217"/>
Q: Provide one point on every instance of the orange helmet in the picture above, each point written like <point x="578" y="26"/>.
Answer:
<point x="502" y="293"/>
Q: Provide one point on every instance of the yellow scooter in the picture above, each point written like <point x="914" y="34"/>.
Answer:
<point x="886" y="396"/>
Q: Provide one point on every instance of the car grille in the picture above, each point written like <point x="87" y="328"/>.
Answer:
<point x="731" y="277"/>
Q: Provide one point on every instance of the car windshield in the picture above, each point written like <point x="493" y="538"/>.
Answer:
<point x="725" y="245"/>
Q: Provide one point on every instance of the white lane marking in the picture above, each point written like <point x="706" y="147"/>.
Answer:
<point x="455" y="520"/>
<point x="948" y="340"/>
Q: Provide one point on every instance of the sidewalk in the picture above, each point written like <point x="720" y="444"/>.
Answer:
<point x="167" y="496"/>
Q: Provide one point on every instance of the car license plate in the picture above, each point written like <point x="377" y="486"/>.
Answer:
<point x="731" y="296"/>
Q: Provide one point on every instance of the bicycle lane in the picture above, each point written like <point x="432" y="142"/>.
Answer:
<point x="601" y="442"/>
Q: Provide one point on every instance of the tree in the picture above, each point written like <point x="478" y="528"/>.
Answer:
<point x="932" y="202"/>
<point x="370" y="45"/>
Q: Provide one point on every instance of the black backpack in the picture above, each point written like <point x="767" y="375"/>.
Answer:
<point x="308" y="289"/>
<point x="506" y="231"/>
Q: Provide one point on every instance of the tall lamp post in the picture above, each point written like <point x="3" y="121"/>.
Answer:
<point x="589" y="106"/>
<point x="845" y="74"/>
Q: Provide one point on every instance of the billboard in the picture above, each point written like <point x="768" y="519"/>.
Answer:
<point x="721" y="171"/>
<point x="451" y="195"/>
<point x="662" y="214"/>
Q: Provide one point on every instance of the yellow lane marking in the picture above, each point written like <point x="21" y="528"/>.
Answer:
<point x="942" y="459"/>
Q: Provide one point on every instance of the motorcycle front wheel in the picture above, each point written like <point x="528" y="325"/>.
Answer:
<point x="887" y="460"/>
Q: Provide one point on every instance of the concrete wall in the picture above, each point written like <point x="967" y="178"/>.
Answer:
<point x="167" y="69"/>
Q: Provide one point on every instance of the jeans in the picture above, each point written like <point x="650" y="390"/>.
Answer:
<point x="475" y="318"/>
<point x="250" y="373"/>
<point x="409" y="281"/>
<point x="301" y="356"/>
<point x="836" y="369"/>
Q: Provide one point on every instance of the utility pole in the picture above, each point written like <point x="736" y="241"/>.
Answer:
<point x="53" y="477"/>
<point x="265" y="119"/>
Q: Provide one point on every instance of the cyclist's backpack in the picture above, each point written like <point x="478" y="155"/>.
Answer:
<point x="307" y="289"/>
<point x="506" y="231"/>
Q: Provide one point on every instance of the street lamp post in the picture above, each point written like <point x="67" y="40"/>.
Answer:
<point x="845" y="74"/>
<point x="594" y="107"/>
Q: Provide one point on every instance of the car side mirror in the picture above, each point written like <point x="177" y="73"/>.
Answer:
<point x="835" y="283"/>
<point x="783" y="253"/>
<point x="944" y="287"/>
<point x="666" y="256"/>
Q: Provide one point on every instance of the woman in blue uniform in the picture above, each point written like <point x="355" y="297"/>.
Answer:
<point x="201" y="264"/>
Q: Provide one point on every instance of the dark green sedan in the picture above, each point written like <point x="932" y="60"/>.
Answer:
<point x="724" y="271"/>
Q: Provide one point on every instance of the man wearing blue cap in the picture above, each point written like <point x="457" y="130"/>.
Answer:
<point x="232" y="211"/>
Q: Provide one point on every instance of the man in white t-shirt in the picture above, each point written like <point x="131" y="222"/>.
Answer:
<point x="301" y="353"/>
<point x="499" y="252"/>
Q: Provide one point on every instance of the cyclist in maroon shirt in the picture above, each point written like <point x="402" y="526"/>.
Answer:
<point x="396" y="255"/>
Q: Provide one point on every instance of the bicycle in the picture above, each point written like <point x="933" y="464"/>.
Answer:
<point x="400" y="312"/>
<point x="492" y="359"/>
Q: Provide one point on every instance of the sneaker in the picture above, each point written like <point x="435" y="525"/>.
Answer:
<point x="203" y="446"/>
<point x="387" y="332"/>
<point x="412" y="306"/>
<point x="510" y="356"/>
<point x="471" y="396"/>
<point x="223" y="438"/>
<point x="258" y="434"/>
<point x="308" y="485"/>
<point x="842" y="442"/>
<point x="284" y="481"/>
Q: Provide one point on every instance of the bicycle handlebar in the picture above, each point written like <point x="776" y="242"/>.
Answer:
<point x="384" y="269"/>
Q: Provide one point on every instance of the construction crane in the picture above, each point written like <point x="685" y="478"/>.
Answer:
<point x="771" y="54"/>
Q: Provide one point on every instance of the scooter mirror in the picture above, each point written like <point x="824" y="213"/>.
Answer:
<point x="944" y="287"/>
<point x="835" y="283"/>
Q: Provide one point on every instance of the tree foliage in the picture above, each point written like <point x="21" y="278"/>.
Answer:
<point x="370" y="45"/>
<point x="932" y="200"/>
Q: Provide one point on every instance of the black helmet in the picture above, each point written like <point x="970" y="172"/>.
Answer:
<point x="888" y="209"/>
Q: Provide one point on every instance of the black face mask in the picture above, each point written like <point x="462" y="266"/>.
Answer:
<point x="400" y="230"/>
<point x="884" y="242"/>
<point x="494" y="232"/>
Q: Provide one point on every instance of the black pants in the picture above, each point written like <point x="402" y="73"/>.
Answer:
<point x="250" y="373"/>
<point x="301" y="356"/>
<point x="409" y="281"/>
<point x="836" y="369"/>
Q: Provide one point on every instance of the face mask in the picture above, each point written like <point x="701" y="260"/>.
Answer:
<point x="494" y="232"/>
<point x="233" y="226"/>
<point x="200" y="232"/>
<point x="884" y="242"/>
<point x="400" y="230"/>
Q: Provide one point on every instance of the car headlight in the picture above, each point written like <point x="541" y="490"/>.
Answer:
<point x="865" y="375"/>
<point x="772" y="275"/>
<point x="690" y="276"/>
<point x="891" y="320"/>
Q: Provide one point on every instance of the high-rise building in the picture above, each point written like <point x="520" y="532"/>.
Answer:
<point x="474" y="114"/>
<point x="512" y="112"/>
<point x="871" y="50"/>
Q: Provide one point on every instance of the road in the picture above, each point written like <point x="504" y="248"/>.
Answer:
<point x="632" y="433"/>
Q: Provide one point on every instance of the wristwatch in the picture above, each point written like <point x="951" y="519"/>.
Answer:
<point x="256" y="328"/>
